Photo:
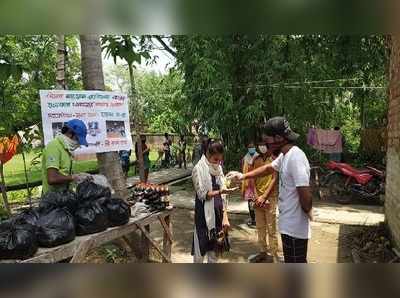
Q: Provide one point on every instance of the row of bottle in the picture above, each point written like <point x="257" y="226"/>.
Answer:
<point x="163" y="190"/>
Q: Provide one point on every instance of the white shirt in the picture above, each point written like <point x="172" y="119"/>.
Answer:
<point x="294" y="171"/>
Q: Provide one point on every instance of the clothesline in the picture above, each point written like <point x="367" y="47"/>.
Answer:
<point x="289" y="87"/>
<point x="292" y="87"/>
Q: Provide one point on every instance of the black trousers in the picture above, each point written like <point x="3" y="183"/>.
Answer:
<point x="294" y="249"/>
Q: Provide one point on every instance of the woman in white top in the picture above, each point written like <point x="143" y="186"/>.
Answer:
<point x="211" y="218"/>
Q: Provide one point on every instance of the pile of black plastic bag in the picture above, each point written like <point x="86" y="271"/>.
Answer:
<point x="60" y="217"/>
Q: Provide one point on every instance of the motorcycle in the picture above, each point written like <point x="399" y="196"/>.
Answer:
<point x="343" y="181"/>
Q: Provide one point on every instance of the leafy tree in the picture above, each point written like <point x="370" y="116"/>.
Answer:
<point x="234" y="82"/>
<point x="160" y="97"/>
<point x="164" y="104"/>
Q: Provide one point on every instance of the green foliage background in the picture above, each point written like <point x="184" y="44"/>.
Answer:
<point x="225" y="85"/>
<point x="233" y="83"/>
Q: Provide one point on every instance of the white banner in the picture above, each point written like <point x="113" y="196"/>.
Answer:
<point x="106" y="115"/>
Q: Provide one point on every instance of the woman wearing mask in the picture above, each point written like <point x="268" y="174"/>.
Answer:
<point x="265" y="209"/>
<point x="211" y="221"/>
<point x="248" y="187"/>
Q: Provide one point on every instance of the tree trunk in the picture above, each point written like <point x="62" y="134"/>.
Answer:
<point x="93" y="79"/>
<point x="137" y="125"/>
<point x="61" y="53"/>
<point x="3" y="189"/>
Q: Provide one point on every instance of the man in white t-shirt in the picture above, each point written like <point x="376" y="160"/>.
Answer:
<point x="295" y="200"/>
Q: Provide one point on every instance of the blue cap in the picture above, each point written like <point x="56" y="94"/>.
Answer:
<point x="80" y="130"/>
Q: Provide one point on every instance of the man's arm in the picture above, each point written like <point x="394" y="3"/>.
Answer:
<point x="305" y="198"/>
<point x="261" y="171"/>
<point x="54" y="177"/>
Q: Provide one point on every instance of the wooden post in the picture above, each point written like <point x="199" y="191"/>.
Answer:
<point x="145" y="243"/>
<point x="167" y="238"/>
<point x="3" y="189"/>
<point x="146" y="234"/>
<point x="81" y="251"/>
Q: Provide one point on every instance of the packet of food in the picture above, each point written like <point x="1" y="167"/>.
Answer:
<point x="227" y="183"/>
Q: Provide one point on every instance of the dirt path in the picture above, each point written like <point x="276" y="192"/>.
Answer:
<point x="326" y="246"/>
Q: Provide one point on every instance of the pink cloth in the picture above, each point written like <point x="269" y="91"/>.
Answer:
<point x="250" y="192"/>
<point x="312" y="137"/>
<point x="329" y="141"/>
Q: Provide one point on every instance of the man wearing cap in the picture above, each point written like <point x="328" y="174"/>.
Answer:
<point x="57" y="157"/>
<point x="295" y="201"/>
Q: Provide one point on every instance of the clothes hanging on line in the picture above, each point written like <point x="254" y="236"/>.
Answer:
<point x="8" y="148"/>
<point x="312" y="137"/>
<point x="327" y="141"/>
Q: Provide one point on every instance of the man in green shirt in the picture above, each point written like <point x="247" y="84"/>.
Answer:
<point x="57" y="157"/>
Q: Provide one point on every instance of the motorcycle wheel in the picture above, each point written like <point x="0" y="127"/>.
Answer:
<point x="337" y="189"/>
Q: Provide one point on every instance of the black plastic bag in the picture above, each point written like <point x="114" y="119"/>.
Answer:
<point x="91" y="217"/>
<point x="17" y="241"/>
<point x="55" y="228"/>
<point x="27" y="217"/>
<point x="56" y="200"/>
<point x="118" y="211"/>
<point x="90" y="191"/>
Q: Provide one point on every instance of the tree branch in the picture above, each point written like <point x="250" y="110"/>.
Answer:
<point x="166" y="47"/>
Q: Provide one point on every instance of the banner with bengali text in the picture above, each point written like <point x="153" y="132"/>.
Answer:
<point x="106" y="115"/>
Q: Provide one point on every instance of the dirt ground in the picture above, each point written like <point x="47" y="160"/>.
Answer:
<point x="329" y="243"/>
<point x="326" y="246"/>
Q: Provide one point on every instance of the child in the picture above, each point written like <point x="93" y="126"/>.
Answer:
<point x="248" y="186"/>
<point x="265" y="209"/>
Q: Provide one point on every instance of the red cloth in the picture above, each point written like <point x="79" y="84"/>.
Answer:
<point x="8" y="148"/>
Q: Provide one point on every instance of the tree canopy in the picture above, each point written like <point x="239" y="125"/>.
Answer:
<point x="234" y="82"/>
<point x="32" y="59"/>
<point x="227" y="84"/>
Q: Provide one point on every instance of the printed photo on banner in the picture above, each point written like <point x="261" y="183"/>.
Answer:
<point x="56" y="127"/>
<point x="115" y="129"/>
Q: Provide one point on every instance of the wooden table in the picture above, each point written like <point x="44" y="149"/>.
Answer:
<point x="78" y="249"/>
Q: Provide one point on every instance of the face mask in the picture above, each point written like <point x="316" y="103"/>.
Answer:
<point x="214" y="166"/>
<point x="252" y="151"/>
<point x="277" y="146"/>
<point x="70" y="144"/>
<point x="276" y="150"/>
<point x="263" y="149"/>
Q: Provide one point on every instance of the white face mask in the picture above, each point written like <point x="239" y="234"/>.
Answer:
<point x="263" y="149"/>
<point x="214" y="166"/>
<point x="215" y="169"/>
<point x="71" y="144"/>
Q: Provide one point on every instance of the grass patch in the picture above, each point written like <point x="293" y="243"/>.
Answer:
<point x="14" y="169"/>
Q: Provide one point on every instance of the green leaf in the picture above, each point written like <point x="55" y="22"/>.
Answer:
<point x="5" y="71"/>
